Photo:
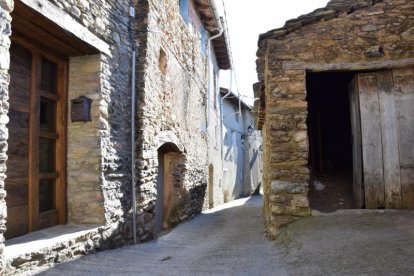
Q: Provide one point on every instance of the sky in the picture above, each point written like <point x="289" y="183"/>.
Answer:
<point x="246" y="20"/>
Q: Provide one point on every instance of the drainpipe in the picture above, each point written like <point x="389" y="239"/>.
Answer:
<point x="240" y="114"/>
<point x="220" y="33"/>
<point x="133" y="102"/>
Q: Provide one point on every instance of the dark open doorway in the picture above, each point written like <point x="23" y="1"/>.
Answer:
<point x="330" y="140"/>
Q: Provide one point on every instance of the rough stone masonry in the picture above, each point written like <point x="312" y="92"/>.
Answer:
<point x="172" y="87"/>
<point x="343" y="36"/>
<point x="98" y="151"/>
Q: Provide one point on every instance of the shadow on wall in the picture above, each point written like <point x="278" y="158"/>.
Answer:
<point x="117" y="165"/>
<point x="175" y="202"/>
<point x="254" y="158"/>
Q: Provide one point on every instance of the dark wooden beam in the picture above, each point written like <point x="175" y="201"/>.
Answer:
<point x="37" y="27"/>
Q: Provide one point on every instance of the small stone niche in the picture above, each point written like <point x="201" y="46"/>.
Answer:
<point x="162" y="62"/>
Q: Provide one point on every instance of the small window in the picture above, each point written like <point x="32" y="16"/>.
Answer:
<point x="162" y="63"/>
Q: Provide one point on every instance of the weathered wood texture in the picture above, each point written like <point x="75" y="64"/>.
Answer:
<point x="34" y="26"/>
<point x="387" y="124"/>
<point x="26" y="154"/>
<point x="356" y="145"/>
<point x="404" y="104"/>
<point x="17" y="222"/>
<point x="344" y="36"/>
<point x="389" y="134"/>
<point x="18" y="143"/>
<point x="34" y="144"/>
<point x="371" y="140"/>
<point x="348" y="66"/>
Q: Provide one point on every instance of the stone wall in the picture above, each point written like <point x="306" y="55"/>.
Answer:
<point x="5" y="30"/>
<point x="99" y="185"/>
<point x="109" y="21"/>
<point x="111" y="104"/>
<point x="344" y="36"/>
<point x="84" y="193"/>
<point x="253" y="164"/>
<point x="215" y="185"/>
<point x="66" y="249"/>
<point x="171" y="85"/>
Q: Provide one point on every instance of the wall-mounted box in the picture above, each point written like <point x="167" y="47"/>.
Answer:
<point x="81" y="109"/>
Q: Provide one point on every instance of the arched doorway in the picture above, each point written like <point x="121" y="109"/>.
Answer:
<point x="171" y="172"/>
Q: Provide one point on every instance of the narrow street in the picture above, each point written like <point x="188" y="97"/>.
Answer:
<point x="229" y="240"/>
<point x="226" y="240"/>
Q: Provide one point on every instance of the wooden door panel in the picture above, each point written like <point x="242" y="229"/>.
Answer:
<point x="20" y="99"/>
<point x="35" y="166"/>
<point x="48" y="219"/>
<point x="17" y="166"/>
<point x="404" y="94"/>
<point x="371" y="140"/>
<point x="389" y="135"/>
<point x="17" y="191"/>
<point x="17" y="221"/>
<point x="16" y="183"/>
<point x="407" y="187"/>
<point x="387" y="130"/>
<point x="358" y="192"/>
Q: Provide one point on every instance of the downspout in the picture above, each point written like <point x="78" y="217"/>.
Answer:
<point x="221" y="30"/>
<point x="220" y="33"/>
<point x="240" y="114"/>
<point x="133" y="102"/>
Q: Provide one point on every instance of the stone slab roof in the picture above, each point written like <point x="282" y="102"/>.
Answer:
<point x="333" y="9"/>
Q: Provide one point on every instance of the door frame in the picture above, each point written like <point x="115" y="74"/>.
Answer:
<point x="34" y="133"/>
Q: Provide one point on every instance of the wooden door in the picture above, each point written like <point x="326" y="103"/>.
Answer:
<point x="159" y="203"/>
<point x="358" y="191"/>
<point x="386" y="122"/>
<point x="404" y="105"/>
<point x="16" y="183"/>
<point x="35" y="166"/>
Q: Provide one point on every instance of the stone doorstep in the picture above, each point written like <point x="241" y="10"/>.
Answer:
<point x="46" y="238"/>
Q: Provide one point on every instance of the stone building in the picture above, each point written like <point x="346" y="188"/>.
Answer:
<point x="336" y="94"/>
<point x="67" y="186"/>
<point x="241" y="148"/>
<point x="178" y="74"/>
<point x="60" y="167"/>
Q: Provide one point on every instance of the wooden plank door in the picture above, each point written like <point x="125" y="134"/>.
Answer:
<point x="404" y="105"/>
<point x="371" y="140"/>
<point x="16" y="183"/>
<point x="35" y="181"/>
<point x="386" y="107"/>
<point x="389" y="139"/>
<point x="358" y="192"/>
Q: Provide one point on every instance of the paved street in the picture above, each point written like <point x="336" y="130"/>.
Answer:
<point x="230" y="241"/>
